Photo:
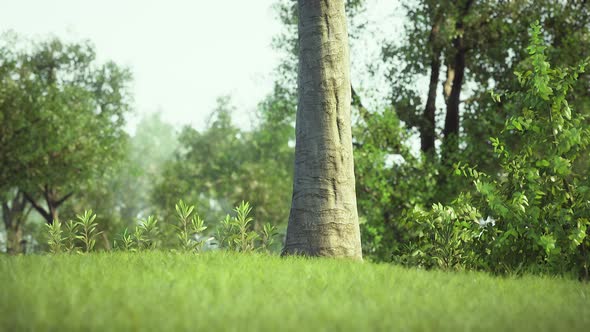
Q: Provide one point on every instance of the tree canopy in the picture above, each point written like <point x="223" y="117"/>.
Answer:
<point x="62" y="117"/>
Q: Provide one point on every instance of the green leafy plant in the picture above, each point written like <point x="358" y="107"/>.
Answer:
<point x="147" y="233"/>
<point x="267" y="236"/>
<point x="55" y="237"/>
<point x="139" y="238"/>
<point x="234" y="232"/>
<point x="226" y="232"/>
<point x="538" y="206"/>
<point x="443" y="236"/>
<point x="127" y="241"/>
<point x="71" y="232"/>
<point x="542" y="204"/>
<point x="88" y="231"/>
<point x="245" y="238"/>
<point x="190" y="225"/>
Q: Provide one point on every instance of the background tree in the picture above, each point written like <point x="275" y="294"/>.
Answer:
<point x="62" y="117"/>
<point x="14" y="215"/>
<point x="122" y="195"/>
<point x="421" y="69"/>
<point x="218" y="167"/>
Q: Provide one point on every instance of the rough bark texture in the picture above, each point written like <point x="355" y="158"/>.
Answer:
<point x="448" y="84"/>
<point x="451" y="129"/>
<point x="452" y="119"/>
<point x="427" y="130"/>
<point x="13" y="216"/>
<point x="14" y="240"/>
<point x="323" y="219"/>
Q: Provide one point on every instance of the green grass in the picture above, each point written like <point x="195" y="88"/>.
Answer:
<point x="157" y="291"/>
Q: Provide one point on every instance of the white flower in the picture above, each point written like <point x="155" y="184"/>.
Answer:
<point x="489" y="220"/>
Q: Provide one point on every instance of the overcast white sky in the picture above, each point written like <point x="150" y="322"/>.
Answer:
<point x="183" y="53"/>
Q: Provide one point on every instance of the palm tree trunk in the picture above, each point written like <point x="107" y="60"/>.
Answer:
<point x="323" y="219"/>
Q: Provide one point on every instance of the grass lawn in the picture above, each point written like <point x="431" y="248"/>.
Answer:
<point x="156" y="291"/>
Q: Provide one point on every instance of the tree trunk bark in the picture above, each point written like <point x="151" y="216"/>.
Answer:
<point x="14" y="239"/>
<point x="323" y="220"/>
<point x="448" y="84"/>
<point x="14" y="216"/>
<point x="428" y="126"/>
<point x="51" y="199"/>
<point x="452" y="119"/>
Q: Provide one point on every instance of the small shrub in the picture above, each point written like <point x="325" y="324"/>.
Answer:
<point x="88" y="230"/>
<point x="244" y="238"/>
<point x="71" y="233"/>
<point x="234" y="232"/>
<point x="226" y="232"/>
<point x="127" y="241"/>
<point x="267" y="236"/>
<point x="147" y="233"/>
<point x="55" y="238"/>
<point x="190" y="225"/>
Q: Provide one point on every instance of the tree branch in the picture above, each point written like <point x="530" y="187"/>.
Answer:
<point x="63" y="199"/>
<point x="39" y="208"/>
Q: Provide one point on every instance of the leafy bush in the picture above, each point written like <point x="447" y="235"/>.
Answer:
<point x="148" y="233"/>
<point x="389" y="180"/>
<point x="190" y="225"/>
<point x="127" y="240"/>
<point x="55" y="237"/>
<point x="235" y="233"/>
<point x="538" y="206"/>
<point x="267" y="236"/>
<point x="84" y="230"/>
<point x="71" y="234"/>
<point x="88" y="230"/>
<point x="443" y="236"/>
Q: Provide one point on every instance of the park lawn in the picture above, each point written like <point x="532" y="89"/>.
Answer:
<point x="166" y="291"/>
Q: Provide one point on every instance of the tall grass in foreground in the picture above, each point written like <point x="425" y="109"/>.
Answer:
<point x="155" y="291"/>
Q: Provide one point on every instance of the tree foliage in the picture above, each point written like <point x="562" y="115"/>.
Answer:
<point x="536" y="208"/>
<point x="422" y="67"/>
<point x="62" y="117"/>
<point x="224" y="165"/>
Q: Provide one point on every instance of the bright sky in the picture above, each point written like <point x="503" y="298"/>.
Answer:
<point x="183" y="53"/>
